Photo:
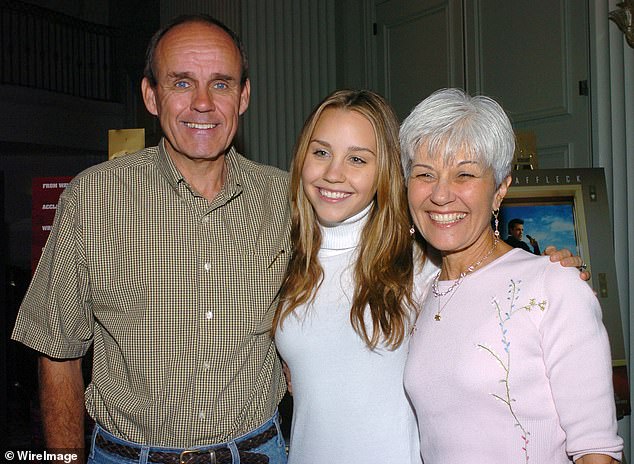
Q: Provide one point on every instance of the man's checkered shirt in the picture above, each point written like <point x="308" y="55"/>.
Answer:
<point x="175" y="293"/>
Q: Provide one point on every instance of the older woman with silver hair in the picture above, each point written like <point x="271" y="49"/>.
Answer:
<point x="509" y="360"/>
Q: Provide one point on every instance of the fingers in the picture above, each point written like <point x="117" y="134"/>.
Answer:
<point x="561" y="255"/>
<point x="287" y="376"/>
<point x="566" y="259"/>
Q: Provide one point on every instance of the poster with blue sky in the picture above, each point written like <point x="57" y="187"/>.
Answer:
<point x="550" y="223"/>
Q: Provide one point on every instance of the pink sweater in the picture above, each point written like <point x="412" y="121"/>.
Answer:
<point x="517" y="370"/>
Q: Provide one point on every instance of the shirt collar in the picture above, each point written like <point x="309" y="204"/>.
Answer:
<point x="233" y="183"/>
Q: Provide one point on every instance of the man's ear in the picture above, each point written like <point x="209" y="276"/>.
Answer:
<point x="149" y="96"/>
<point x="245" y="96"/>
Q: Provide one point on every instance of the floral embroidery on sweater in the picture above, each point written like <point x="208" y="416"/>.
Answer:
<point x="505" y="359"/>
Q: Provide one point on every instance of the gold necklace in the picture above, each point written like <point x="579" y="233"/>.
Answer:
<point x="451" y="291"/>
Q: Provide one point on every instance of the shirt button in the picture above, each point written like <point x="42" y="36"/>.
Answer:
<point x="206" y="366"/>
<point x="205" y="219"/>
<point x="209" y="314"/>
<point x="201" y="415"/>
<point x="207" y="267"/>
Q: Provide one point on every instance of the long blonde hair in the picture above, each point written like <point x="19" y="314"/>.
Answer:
<point x="383" y="273"/>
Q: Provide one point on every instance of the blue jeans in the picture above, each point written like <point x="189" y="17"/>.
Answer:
<point x="275" y="448"/>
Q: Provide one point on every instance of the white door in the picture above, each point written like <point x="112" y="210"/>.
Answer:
<point x="419" y="49"/>
<point x="530" y="56"/>
<point x="533" y="58"/>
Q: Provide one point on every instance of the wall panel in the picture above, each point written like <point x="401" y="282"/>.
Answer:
<point x="533" y="58"/>
<point x="291" y="46"/>
<point x="226" y="10"/>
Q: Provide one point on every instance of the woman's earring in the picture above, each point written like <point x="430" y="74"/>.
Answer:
<point x="496" y="212"/>
<point x="412" y="231"/>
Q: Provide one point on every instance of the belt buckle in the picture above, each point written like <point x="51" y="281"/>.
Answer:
<point x="182" y="458"/>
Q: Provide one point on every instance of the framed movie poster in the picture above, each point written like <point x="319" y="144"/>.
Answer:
<point x="569" y="208"/>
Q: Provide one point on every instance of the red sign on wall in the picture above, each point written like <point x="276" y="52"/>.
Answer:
<point x="46" y="192"/>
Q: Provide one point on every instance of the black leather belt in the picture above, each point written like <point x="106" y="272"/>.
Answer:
<point x="219" y="455"/>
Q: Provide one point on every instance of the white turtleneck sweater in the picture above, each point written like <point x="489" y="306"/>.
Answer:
<point x="349" y="404"/>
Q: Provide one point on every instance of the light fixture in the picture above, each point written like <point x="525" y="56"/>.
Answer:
<point x="624" y="18"/>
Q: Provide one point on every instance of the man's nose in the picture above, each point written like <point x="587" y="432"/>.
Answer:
<point x="203" y="100"/>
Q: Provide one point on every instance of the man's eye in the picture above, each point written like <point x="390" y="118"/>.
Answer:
<point x="220" y="85"/>
<point x="181" y="85"/>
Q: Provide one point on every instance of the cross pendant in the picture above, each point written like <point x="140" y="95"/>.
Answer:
<point x="437" y="317"/>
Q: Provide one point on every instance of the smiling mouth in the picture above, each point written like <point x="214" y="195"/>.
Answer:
<point x="333" y="195"/>
<point x="448" y="218"/>
<point x="198" y="125"/>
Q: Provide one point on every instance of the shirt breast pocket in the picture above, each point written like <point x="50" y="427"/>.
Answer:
<point x="260" y="276"/>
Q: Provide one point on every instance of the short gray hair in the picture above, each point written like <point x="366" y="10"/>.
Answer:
<point x="450" y="121"/>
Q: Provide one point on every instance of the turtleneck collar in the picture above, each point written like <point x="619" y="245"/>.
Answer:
<point x="343" y="236"/>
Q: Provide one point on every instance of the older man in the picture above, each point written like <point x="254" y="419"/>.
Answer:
<point x="168" y="261"/>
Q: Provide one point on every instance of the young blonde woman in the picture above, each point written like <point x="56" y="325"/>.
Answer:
<point x="345" y="307"/>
